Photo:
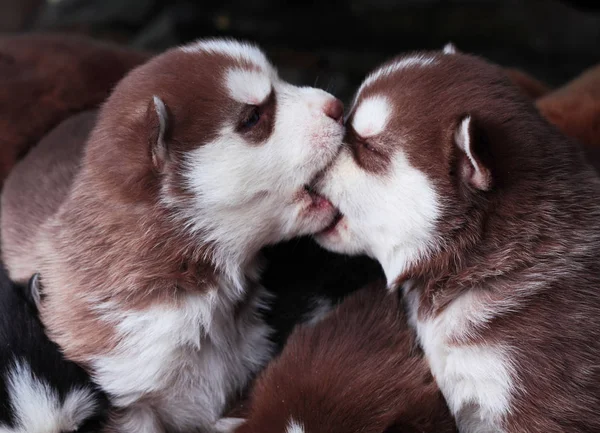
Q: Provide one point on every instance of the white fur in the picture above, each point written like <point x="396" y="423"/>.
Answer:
<point x="248" y="87"/>
<point x="259" y="202"/>
<point x="395" y="228"/>
<point x="37" y="407"/>
<point x="449" y="48"/>
<point x="419" y="60"/>
<point x="476" y="380"/>
<point x="320" y="309"/>
<point x="191" y="356"/>
<point x="188" y="357"/>
<point x="371" y="116"/>
<point x="248" y="195"/>
<point x="391" y="216"/>
<point x="140" y="419"/>
<point x="294" y="427"/>
<point x="228" y="425"/>
<point x="236" y="50"/>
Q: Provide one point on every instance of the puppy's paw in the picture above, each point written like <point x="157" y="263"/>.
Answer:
<point x="228" y="425"/>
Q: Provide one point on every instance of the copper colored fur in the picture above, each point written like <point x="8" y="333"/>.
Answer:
<point x="149" y="258"/>
<point x="501" y="272"/>
<point x="575" y="107"/>
<point x="530" y="86"/>
<point x="47" y="77"/>
<point x="358" y="370"/>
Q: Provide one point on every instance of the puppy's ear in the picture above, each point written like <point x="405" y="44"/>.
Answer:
<point x="450" y="48"/>
<point x="469" y="140"/>
<point x="34" y="290"/>
<point x="157" y="120"/>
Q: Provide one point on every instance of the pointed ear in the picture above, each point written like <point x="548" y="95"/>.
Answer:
<point x="157" y="117"/>
<point x="33" y="290"/>
<point x="450" y="48"/>
<point x="470" y="166"/>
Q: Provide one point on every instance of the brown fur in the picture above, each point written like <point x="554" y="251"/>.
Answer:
<point x="358" y="370"/>
<point x="575" y="107"/>
<point x="529" y="86"/>
<point x="528" y="249"/>
<point x="61" y="150"/>
<point x="111" y="238"/>
<point x="47" y="77"/>
<point x="143" y="282"/>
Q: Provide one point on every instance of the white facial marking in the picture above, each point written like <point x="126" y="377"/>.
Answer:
<point x="246" y="196"/>
<point x="248" y="87"/>
<point x="449" y="48"/>
<point x="233" y="49"/>
<point x="371" y="116"/>
<point x="407" y="62"/>
<point x="294" y="427"/>
<point x="388" y="217"/>
<point x="37" y="407"/>
<point x="476" y="380"/>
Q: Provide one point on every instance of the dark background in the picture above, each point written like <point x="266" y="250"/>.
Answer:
<point x="334" y="44"/>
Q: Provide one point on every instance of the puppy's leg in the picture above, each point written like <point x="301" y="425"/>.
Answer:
<point x="227" y="425"/>
<point x="135" y="419"/>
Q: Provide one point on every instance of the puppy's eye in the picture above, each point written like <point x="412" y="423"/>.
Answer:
<point x="367" y="146"/>
<point x="252" y="119"/>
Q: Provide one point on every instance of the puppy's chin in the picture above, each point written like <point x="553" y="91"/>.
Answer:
<point x="311" y="213"/>
<point x="339" y="237"/>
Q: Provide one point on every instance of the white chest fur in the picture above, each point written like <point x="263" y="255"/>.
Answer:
<point x="177" y="365"/>
<point x="476" y="379"/>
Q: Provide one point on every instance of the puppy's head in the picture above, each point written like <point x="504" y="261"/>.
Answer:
<point x="417" y="155"/>
<point x="211" y="132"/>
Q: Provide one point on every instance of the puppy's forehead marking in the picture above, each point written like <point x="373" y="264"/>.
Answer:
<point x="371" y="116"/>
<point x="238" y="51"/>
<point x="246" y="86"/>
<point x="419" y="60"/>
<point x="294" y="427"/>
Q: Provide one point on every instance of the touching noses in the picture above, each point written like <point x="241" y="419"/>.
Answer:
<point x="334" y="109"/>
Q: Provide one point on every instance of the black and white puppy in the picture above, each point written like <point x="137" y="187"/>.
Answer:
<point x="40" y="392"/>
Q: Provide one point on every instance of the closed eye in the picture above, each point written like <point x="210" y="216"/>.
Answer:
<point x="360" y="141"/>
<point x="252" y="118"/>
<point x="364" y="143"/>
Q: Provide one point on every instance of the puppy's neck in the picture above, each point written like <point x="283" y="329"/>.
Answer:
<point x="523" y="230"/>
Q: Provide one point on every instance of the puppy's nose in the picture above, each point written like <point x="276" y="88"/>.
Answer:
<point x="335" y="110"/>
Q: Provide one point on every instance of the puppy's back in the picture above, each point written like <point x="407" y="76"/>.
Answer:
<point x="35" y="189"/>
<point x="359" y="369"/>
